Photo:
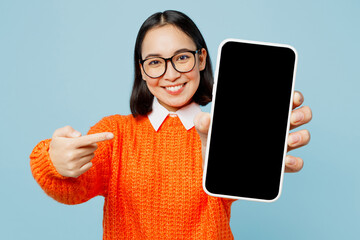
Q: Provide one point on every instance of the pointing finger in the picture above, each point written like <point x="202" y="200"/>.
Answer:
<point x="93" y="138"/>
<point x="67" y="132"/>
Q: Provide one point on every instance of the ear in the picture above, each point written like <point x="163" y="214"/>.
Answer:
<point x="202" y="59"/>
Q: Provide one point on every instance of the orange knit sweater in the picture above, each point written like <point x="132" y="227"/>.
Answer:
<point x="151" y="181"/>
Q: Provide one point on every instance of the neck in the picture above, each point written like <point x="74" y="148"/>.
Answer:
<point x="172" y="108"/>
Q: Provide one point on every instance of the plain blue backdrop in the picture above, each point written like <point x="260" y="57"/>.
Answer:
<point x="70" y="63"/>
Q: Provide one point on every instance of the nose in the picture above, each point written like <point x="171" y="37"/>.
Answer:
<point x="171" y="74"/>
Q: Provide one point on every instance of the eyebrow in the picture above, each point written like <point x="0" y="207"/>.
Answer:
<point x="159" y="55"/>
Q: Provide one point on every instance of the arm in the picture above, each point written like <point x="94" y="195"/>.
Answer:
<point x="74" y="186"/>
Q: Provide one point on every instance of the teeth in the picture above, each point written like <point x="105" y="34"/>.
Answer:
<point x="175" y="88"/>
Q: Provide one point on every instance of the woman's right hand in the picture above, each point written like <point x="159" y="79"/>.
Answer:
<point x="71" y="153"/>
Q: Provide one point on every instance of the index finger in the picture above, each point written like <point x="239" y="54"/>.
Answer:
<point x="298" y="99"/>
<point x="93" y="138"/>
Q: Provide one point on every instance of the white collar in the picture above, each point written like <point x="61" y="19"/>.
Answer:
<point x="185" y="114"/>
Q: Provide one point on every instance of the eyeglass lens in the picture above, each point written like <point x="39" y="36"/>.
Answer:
<point x="182" y="62"/>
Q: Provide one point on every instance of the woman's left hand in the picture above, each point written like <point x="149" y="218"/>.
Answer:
<point x="299" y="116"/>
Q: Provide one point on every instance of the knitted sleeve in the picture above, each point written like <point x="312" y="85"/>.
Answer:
<point x="74" y="190"/>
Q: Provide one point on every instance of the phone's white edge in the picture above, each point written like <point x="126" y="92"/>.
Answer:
<point x="213" y="108"/>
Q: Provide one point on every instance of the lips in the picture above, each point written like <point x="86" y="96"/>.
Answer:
<point x="175" y="89"/>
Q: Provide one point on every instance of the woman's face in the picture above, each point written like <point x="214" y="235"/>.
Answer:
<point x="173" y="89"/>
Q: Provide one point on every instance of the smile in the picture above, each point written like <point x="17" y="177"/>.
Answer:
<point x="175" y="89"/>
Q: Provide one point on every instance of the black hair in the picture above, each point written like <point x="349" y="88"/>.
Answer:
<point x="141" y="98"/>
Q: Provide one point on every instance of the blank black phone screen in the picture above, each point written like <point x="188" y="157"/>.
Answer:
<point x="250" y="120"/>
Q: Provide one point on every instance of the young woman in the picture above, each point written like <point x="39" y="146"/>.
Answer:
<point x="148" y="165"/>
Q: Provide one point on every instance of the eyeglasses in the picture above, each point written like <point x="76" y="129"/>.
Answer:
<point x="182" y="62"/>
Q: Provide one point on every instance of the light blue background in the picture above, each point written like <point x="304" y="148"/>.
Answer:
<point x="70" y="63"/>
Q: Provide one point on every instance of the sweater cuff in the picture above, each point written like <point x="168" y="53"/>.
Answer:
<point x="40" y="162"/>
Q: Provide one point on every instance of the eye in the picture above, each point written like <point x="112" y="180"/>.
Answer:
<point x="183" y="57"/>
<point x="154" y="62"/>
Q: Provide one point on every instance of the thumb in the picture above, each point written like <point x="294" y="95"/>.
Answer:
<point x="67" y="132"/>
<point x="202" y="123"/>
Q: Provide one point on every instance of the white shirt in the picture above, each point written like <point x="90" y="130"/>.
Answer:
<point x="185" y="114"/>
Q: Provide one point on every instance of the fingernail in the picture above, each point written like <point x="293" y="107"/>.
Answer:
<point x="109" y="135"/>
<point x="294" y="138"/>
<point x="297" y="116"/>
<point x="300" y="97"/>
<point x="290" y="161"/>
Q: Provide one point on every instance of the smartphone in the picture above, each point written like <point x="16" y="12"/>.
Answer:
<point x="250" y="119"/>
